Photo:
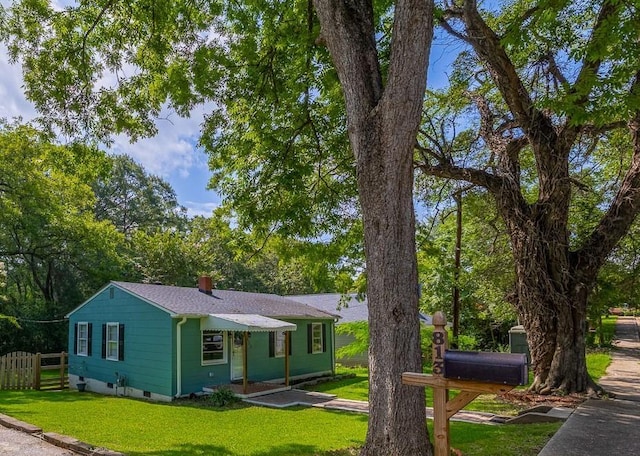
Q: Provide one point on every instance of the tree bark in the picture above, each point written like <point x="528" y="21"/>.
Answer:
<point x="383" y="121"/>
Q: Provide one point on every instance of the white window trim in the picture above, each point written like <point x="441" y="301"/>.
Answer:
<point x="86" y="338"/>
<point x="117" y="341"/>
<point x="212" y="362"/>
<point x="283" y="336"/>
<point x="313" y="338"/>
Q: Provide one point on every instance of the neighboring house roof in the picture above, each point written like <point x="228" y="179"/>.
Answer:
<point x="349" y="311"/>
<point x="186" y="301"/>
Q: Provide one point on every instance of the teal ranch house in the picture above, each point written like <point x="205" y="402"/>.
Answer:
<point x="164" y="342"/>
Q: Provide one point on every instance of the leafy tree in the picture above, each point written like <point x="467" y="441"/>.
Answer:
<point x="53" y="250"/>
<point x="545" y="94"/>
<point x="617" y="284"/>
<point x="132" y="199"/>
<point x="234" y="258"/>
<point x="275" y="127"/>
<point x="241" y="260"/>
<point x="164" y="257"/>
<point x="486" y="273"/>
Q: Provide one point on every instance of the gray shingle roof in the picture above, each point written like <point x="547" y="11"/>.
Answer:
<point x="191" y="301"/>
<point x="354" y="310"/>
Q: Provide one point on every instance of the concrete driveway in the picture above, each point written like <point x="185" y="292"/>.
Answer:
<point x="20" y="444"/>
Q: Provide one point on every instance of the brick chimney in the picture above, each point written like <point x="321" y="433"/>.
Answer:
<point x="205" y="284"/>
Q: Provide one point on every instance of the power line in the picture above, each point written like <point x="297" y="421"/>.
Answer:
<point x="38" y="321"/>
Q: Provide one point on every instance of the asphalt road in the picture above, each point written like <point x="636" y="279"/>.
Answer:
<point x="21" y="444"/>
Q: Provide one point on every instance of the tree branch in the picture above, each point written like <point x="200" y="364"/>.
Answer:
<point x="411" y="37"/>
<point x="95" y="23"/>
<point x="486" y="43"/>
<point x="591" y="67"/>
<point x="474" y="176"/>
<point x="449" y="28"/>
<point x="623" y="209"/>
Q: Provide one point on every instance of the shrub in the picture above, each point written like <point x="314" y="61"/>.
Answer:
<point x="221" y="397"/>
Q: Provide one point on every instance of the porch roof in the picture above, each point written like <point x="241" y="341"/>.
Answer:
<point x="244" y="322"/>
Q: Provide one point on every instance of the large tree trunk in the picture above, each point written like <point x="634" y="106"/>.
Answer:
<point x="383" y="122"/>
<point x="552" y="313"/>
<point x="397" y="419"/>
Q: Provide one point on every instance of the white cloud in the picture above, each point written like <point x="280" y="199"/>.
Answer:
<point x="172" y="151"/>
<point x="172" y="154"/>
<point x="12" y="100"/>
<point x="203" y="209"/>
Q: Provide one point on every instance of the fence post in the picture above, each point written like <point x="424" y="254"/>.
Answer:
<point x="38" y="371"/>
<point x="62" y="368"/>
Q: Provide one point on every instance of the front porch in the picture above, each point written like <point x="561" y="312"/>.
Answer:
<point x="240" y="327"/>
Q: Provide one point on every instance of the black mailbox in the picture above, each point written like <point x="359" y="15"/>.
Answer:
<point x="505" y="368"/>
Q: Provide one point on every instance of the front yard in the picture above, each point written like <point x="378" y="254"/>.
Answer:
<point x="145" y="428"/>
<point x="185" y="428"/>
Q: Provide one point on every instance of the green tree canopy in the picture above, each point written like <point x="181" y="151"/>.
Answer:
<point x="53" y="250"/>
<point x="132" y="199"/>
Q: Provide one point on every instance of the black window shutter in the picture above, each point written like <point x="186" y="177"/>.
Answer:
<point x="324" y="337"/>
<point x="309" y="338"/>
<point x="272" y="344"/>
<point x="288" y="336"/>
<point x="89" y="338"/>
<point x="121" y="342"/>
<point x="75" y="339"/>
<point x="104" y="340"/>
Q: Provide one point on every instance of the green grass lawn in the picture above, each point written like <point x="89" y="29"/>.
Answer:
<point x="356" y="387"/>
<point x="138" y="427"/>
<point x="145" y="428"/>
<point x="507" y="440"/>
<point x="186" y="428"/>
<point x="597" y="363"/>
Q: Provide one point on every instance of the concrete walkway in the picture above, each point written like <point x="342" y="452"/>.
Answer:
<point x="328" y="401"/>
<point x="604" y="427"/>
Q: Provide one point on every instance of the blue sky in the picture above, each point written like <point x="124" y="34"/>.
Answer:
<point x="173" y="154"/>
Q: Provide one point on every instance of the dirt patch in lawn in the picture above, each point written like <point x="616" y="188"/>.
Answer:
<point x="524" y="399"/>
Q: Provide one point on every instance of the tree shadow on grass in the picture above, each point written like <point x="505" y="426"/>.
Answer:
<point x="187" y="449"/>
<point x="217" y="450"/>
<point x="30" y="396"/>
<point x="338" y="383"/>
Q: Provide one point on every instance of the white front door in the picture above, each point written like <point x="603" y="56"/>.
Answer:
<point x="237" y="356"/>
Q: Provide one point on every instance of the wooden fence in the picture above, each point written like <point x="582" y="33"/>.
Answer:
<point x="22" y="370"/>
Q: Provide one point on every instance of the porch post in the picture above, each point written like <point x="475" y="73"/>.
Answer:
<point x="287" y="341"/>
<point x="245" y="343"/>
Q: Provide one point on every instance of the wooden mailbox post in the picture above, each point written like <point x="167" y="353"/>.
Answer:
<point x="443" y="408"/>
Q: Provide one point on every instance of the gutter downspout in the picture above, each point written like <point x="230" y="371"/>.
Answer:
<point x="179" y="356"/>
<point x="333" y="347"/>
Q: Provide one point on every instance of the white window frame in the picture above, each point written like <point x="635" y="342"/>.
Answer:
<point x="209" y="362"/>
<point x="111" y="344"/>
<point x="279" y="344"/>
<point x="316" y="339"/>
<point x="85" y="339"/>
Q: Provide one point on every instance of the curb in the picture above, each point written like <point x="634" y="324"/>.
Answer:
<point x="62" y="441"/>
<point x="18" y="425"/>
